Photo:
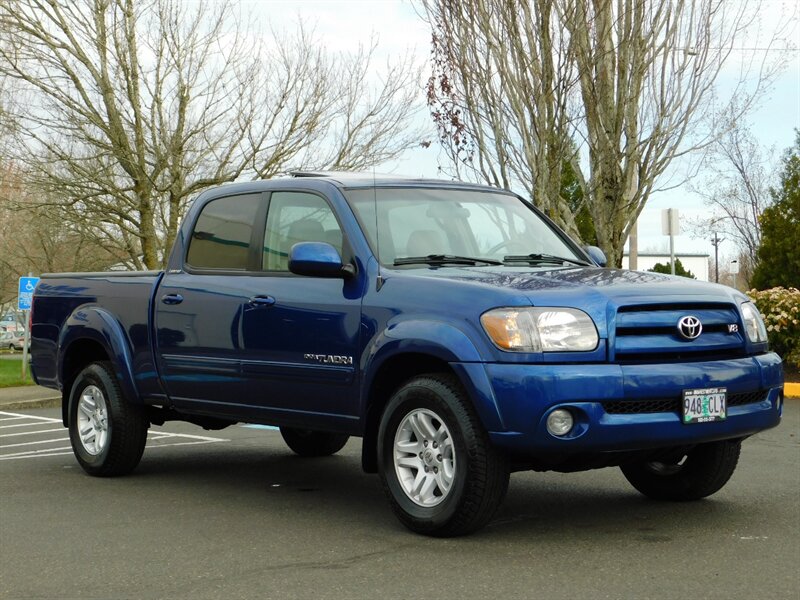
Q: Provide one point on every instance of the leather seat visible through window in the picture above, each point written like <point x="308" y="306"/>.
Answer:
<point x="426" y="241"/>
<point x="305" y="230"/>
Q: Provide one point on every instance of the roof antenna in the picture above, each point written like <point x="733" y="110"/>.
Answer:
<point x="379" y="279"/>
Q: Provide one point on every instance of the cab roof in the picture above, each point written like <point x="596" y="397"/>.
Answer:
<point x="365" y="179"/>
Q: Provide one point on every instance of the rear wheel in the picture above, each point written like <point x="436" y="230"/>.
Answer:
<point x="306" y="442"/>
<point x="440" y="472"/>
<point x="691" y="475"/>
<point x="107" y="432"/>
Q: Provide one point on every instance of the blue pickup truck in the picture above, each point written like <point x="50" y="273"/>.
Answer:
<point x="453" y="327"/>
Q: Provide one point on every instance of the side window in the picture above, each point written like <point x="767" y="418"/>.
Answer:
<point x="221" y="236"/>
<point x="297" y="217"/>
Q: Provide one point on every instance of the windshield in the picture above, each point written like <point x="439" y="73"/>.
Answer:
<point x="419" y="222"/>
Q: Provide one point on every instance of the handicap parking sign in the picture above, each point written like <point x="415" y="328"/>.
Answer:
<point x="26" y="287"/>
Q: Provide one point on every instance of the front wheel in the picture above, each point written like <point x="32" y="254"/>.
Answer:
<point x="308" y="443"/>
<point x="439" y="470"/>
<point x="691" y="475"/>
<point x="107" y="432"/>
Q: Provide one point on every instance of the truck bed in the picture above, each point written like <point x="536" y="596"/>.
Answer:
<point x="117" y="299"/>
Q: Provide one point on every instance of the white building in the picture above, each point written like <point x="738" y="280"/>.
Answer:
<point x="696" y="263"/>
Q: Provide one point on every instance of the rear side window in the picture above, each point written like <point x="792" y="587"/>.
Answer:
<point x="221" y="236"/>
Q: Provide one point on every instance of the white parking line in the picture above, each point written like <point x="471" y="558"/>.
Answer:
<point x="66" y="439"/>
<point x="162" y="439"/>
<point x="14" y="416"/>
<point x="22" y="425"/>
<point x="184" y="444"/>
<point x="192" y="437"/>
<point x="40" y="431"/>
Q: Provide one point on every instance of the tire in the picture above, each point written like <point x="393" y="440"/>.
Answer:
<point x="114" y="430"/>
<point x="452" y="481"/>
<point x="308" y="443"/>
<point x="702" y="471"/>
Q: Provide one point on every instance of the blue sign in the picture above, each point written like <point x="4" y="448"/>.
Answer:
<point x="26" y="287"/>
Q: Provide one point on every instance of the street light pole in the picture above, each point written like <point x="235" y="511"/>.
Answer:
<point x="716" y="242"/>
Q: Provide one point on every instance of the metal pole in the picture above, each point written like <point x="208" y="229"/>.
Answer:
<point x="671" y="244"/>
<point x="25" y="345"/>
<point x="26" y="340"/>
<point x="716" y="242"/>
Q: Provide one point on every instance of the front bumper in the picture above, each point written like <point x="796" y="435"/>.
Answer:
<point x="524" y="395"/>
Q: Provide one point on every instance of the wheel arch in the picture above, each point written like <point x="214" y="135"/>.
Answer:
<point x="393" y="371"/>
<point x="387" y="377"/>
<point x="81" y="353"/>
<point x="92" y="334"/>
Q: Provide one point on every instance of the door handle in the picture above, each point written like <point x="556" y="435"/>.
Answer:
<point x="261" y="301"/>
<point x="171" y="298"/>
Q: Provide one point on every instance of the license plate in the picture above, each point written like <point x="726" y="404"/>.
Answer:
<point x="704" y="405"/>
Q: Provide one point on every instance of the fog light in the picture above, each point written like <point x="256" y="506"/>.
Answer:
<point x="559" y="422"/>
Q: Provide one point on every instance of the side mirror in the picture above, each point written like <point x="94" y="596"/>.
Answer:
<point x="318" y="259"/>
<point x="597" y="255"/>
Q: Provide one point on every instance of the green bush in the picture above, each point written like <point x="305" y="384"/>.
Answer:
<point x="781" y="309"/>
<point x="666" y="269"/>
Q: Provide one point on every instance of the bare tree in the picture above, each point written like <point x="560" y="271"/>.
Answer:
<point x="737" y="190"/>
<point x="632" y="80"/>
<point x="499" y="94"/>
<point x="34" y="239"/>
<point x="136" y="106"/>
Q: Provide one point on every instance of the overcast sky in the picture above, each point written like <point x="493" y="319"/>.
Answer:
<point x="343" y="25"/>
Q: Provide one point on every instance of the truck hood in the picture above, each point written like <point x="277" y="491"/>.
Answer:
<point x="636" y="313"/>
<point x="612" y="283"/>
<point x="597" y="291"/>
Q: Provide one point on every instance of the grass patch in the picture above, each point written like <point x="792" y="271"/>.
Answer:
<point x="11" y="373"/>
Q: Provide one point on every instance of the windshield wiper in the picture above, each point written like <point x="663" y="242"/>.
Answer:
<point x="543" y="258"/>
<point x="444" y="259"/>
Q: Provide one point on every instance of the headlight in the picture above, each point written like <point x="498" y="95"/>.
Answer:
<point x="540" y="329"/>
<point x="753" y="323"/>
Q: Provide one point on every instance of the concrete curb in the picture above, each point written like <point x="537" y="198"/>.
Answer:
<point x="28" y="396"/>
<point x="791" y="390"/>
<point x="39" y="403"/>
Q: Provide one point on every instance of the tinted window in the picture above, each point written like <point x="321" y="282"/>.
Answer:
<point x="297" y="217"/>
<point x="221" y="236"/>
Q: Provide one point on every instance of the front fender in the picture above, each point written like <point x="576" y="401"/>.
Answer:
<point x="91" y="322"/>
<point x="440" y="340"/>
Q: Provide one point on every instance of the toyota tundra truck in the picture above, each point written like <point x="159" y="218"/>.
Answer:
<point x="453" y="327"/>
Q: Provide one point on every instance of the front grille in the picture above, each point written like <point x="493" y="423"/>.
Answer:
<point x="747" y="398"/>
<point x="649" y="333"/>
<point x="664" y="405"/>
<point x="631" y="407"/>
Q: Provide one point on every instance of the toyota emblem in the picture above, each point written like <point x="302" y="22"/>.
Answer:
<point x="690" y="327"/>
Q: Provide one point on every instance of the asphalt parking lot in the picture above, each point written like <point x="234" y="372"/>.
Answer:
<point x="233" y="514"/>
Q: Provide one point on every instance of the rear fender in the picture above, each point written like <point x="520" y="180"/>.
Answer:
<point x="98" y="325"/>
